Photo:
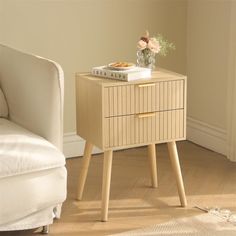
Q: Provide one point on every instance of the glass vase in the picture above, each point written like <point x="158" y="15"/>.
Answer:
<point x="146" y="58"/>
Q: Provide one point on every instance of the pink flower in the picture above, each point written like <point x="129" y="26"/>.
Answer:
<point x="146" y="34"/>
<point x="141" y="44"/>
<point x="154" y="45"/>
<point x="150" y="43"/>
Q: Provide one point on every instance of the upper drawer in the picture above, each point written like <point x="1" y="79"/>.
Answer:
<point x="140" y="98"/>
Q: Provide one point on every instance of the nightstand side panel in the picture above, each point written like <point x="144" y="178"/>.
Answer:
<point x="89" y="110"/>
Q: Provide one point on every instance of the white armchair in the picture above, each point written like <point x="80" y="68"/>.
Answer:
<point x="32" y="166"/>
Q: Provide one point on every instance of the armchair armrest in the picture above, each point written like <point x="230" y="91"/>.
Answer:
<point x="34" y="90"/>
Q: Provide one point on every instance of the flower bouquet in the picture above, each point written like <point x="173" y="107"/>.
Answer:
<point x="148" y="47"/>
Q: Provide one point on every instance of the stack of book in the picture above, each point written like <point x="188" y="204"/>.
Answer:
<point x="134" y="73"/>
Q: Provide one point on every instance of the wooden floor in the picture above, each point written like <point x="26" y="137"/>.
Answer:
<point x="210" y="180"/>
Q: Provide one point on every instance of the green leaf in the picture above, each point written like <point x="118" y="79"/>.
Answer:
<point x="165" y="45"/>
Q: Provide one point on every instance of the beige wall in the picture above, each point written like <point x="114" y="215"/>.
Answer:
<point x="1" y="23"/>
<point x="80" y="34"/>
<point x="207" y="60"/>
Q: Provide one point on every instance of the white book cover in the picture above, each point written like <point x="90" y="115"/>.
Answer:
<point x="125" y="75"/>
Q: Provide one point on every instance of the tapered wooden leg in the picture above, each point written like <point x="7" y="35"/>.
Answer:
<point x="173" y="153"/>
<point x="85" y="165"/>
<point x="106" y="180"/>
<point x="153" y="164"/>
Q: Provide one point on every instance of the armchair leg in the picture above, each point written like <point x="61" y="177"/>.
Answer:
<point x="45" y="229"/>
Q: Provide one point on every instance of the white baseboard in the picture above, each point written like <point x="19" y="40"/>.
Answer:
<point x="73" y="145"/>
<point x="198" y="132"/>
<point x="206" y="135"/>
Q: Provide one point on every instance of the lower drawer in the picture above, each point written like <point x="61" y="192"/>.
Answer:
<point x="137" y="129"/>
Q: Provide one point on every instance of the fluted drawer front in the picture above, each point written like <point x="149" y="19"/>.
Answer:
<point x="161" y="96"/>
<point x="137" y="129"/>
<point x="140" y="98"/>
<point x="119" y="100"/>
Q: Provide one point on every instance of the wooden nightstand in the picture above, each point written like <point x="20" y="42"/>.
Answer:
<point x="113" y="115"/>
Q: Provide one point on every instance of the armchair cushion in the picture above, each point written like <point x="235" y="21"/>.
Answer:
<point x="23" y="152"/>
<point x="3" y="105"/>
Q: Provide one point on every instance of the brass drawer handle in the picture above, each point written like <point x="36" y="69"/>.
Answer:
<point x="146" y="85"/>
<point x="148" y="114"/>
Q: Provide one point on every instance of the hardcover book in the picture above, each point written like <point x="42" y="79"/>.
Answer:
<point x="124" y="75"/>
